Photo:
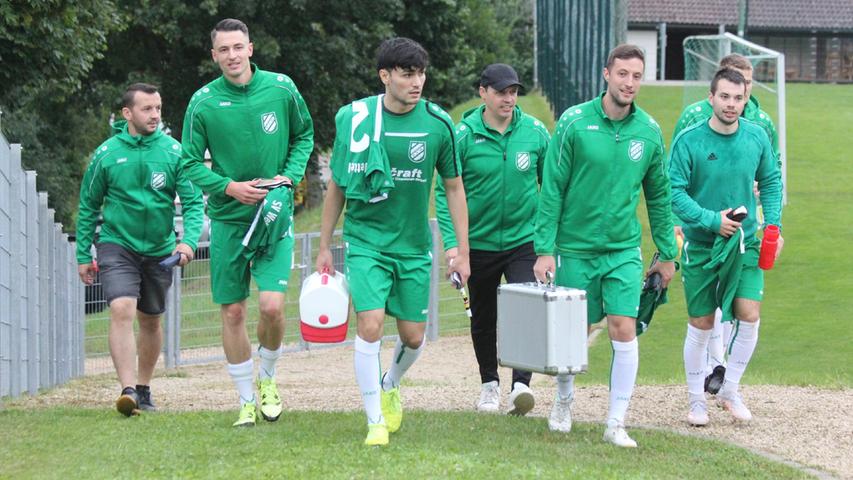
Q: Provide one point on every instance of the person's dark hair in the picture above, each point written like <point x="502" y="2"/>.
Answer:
<point x="228" y="25"/>
<point x="626" y="51"/>
<point x="130" y="94"/>
<point x="401" y="52"/>
<point x="736" y="60"/>
<point x="729" y="74"/>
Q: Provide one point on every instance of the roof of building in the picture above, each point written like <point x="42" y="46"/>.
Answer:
<point x="808" y="15"/>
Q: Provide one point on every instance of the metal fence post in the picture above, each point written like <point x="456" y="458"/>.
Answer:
<point x="32" y="260"/>
<point x="56" y="301"/>
<point x="168" y="326"/>
<point x="178" y="314"/>
<point x="52" y="302"/>
<point x="18" y="240"/>
<point x="63" y="305"/>
<point x="6" y="261"/>
<point x="173" y="314"/>
<point x="307" y="251"/>
<point x="44" y="291"/>
<point x="80" y="314"/>
<point x="435" y="272"/>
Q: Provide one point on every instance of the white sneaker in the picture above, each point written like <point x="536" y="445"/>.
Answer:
<point x="615" y="433"/>
<point x="560" y="419"/>
<point x="520" y="399"/>
<point x="490" y="397"/>
<point x="732" y="402"/>
<point x="698" y="414"/>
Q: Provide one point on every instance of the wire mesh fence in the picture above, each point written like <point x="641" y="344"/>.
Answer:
<point x="192" y="324"/>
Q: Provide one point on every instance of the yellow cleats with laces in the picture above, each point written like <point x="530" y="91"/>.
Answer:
<point x="270" y="401"/>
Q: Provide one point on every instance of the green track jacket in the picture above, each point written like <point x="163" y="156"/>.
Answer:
<point x="135" y="179"/>
<point x="594" y="171"/>
<point x="501" y="174"/>
<point x="258" y="130"/>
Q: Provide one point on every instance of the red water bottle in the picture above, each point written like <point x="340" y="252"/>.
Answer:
<point x="768" y="247"/>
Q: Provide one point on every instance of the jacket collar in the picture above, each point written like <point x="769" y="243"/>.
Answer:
<point x="474" y="119"/>
<point x="120" y="131"/>
<point x="599" y="108"/>
<point x="253" y="83"/>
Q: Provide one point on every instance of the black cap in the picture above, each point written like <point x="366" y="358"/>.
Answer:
<point x="499" y="76"/>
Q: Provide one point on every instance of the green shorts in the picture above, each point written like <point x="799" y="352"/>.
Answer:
<point x="700" y="285"/>
<point x="399" y="283"/>
<point x="613" y="281"/>
<point x="231" y="265"/>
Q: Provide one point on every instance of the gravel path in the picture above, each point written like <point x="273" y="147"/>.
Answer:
<point x="809" y="426"/>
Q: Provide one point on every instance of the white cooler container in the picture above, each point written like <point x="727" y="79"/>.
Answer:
<point x="542" y="328"/>
<point x="324" y="308"/>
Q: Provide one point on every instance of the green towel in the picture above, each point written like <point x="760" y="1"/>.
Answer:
<point x="374" y="182"/>
<point x="727" y="260"/>
<point x="272" y="221"/>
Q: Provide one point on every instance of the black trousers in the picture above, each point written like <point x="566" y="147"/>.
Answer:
<point x="487" y="268"/>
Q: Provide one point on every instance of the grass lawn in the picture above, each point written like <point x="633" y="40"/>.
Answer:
<point x="804" y="334"/>
<point x="804" y="341"/>
<point x="59" y="443"/>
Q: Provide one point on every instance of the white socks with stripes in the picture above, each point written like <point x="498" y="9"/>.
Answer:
<point x="268" y="359"/>
<point x="403" y="358"/>
<point x="241" y="374"/>
<point x="367" y="371"/>
<point x="695" y="344"/>
<point x="743" y="342"/>
<point x="623" y="376"/>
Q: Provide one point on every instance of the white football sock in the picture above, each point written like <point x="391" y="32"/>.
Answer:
<point x="695" y="343"/>
<point x="403" y="358"/>
<point x="367" y="370"/>
<point x="727" y="336"/>
<point x="717" y="343"/>
<point x="268" y="359"/>
<point x="565" y="385"/>
<point x="743" y="342"/>
<point x="241" y="374"/>
<point x="623" y="376"/>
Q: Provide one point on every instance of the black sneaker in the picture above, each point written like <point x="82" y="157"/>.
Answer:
<point x="128" y="402"/>
<point x="145" y="403"/>
<point x="714" y="381"/>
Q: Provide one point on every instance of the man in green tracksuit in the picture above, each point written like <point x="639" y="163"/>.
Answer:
<point x="255" y="125"/>
<point x="602" y="154"/>
<point x="713" y="166"/>
<point x="134" y="177"/>
<point x="501" y="151"/>
<point x="403" y="140"/>
<point x="700" y="112"/>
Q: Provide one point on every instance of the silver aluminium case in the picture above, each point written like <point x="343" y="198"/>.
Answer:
<point x="542" y="328"/>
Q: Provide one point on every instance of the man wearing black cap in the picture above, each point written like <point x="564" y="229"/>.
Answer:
<point x="500" y="149"/>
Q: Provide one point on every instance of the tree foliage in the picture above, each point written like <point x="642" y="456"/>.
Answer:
<point x="94" y="48"/>
<point x="50" y="45"/>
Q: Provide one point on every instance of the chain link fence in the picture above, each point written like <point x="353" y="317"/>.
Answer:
<point x="192" y="324"/>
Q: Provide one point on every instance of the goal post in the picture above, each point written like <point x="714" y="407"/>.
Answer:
<point x="702" y="55"/>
